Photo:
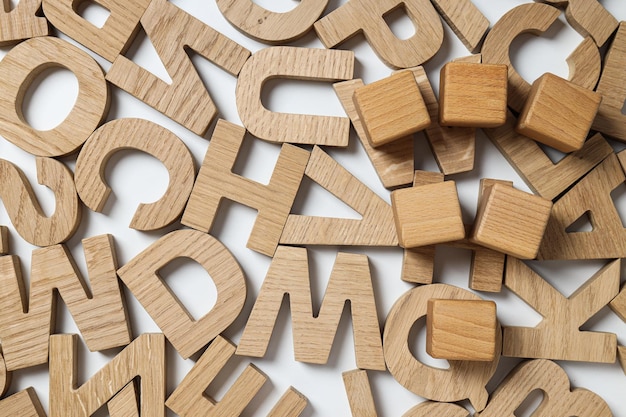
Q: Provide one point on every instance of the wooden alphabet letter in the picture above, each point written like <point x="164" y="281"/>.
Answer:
<point x="24" y="404"/>
<point x="435" y="409"/>
<point x="143" y="358"/>
<point x="216" y="181"/>
<point x="359" y="393"/>
<point x="141" y="276"/>
<point x="186" y="100"/>
<point x="148" y="137"/>
<point x="21" y="22"/>
<point x="110" y="40"/>
<point x="20" y="67"/>
<point x="99" y="313"/>
<point x="465" y="19"/>
<point x="294" y="63"/>
<point x="124" y="403"/>
<point x="558" y="336"/>
<point x="313" y="335"/>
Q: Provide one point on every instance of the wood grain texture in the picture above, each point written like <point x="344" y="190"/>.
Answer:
<point x="21" y="66"/>
<point x="21" y="22"/>
<point x="172" y="32"/>
<point x="394" y="161"/>
<point x="23" y="404"/>
<point x="359" y="393"/>
<point x="621" y="356"/>
<point x="473" y="95"/>
<point x="558" y="398"/>
<point x="558" y="113"/>
<point x="590" y="196"/>
<point x="543" y="176"/>
<point x="391" y="108"/>
<point x="98" y="308"/>
<point x="141" y="276"/>
<point x="376" y="228"/>
<point x="418" y="265"/>
<point x="143" y="358"/>
<point x="125" y="402"/>
<point x="216" y="181"/>
<point x="511" y="221"/>
<point x="4" y="240"/>
<point x="610" y="120"/>
<point x="487" y="270"/>
<point x="461" y="330"/>
<point x="291" y="404"/>
<point x="536" y="18"/>
<point x="292" y="63"/>
<point x="435" y="409"/>
<point x="465" y="19"/>
<point x="268" y="26"/>
<point x="6" y="377"/>
<point x="313" y="334"/>
<point x="113" y="38"/>
<point x="148" y="137"/>
<point x="367" y="17"/>
<point x="24" y="209"/>
<point x="618" y="304"/>
<point x="463" y="379"/>
<point x="558" y="336"/>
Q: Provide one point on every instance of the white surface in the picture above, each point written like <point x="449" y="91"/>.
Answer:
<point x="136" y="178"/>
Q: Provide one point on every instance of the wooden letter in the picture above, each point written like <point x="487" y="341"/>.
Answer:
<point x="99" y="313"/>
<point x="113" y="38"/>
<point x="24" y="210"/>
<point x="143" y="358"/>
<point x="313" y="335"/>
<point x="216" y="181"/>
<point x="20" y="67"/>
<point x="464" y="379"/>
<point x="558" y="336"/>
<point x="23" y="404"/>
<point x="124" y="403"/>
<point x="141" y="276"/>
<point x="359" y="393"/>
<point x="293" y="63"/>
<point x="186" y="100"/>
<point x="367" y="16"/>
<point x="558" y="400"/>
<point x="584" y="62"/>
<point x="271" y="27"/>
<point x="148" y="137"/>
<point x="467" y="22"/>
<point x="434" y="409"/>
<point x="376" y="228"/>
<point x="22" y="22"/>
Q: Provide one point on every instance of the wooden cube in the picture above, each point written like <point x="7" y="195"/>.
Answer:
<point x="558" y="113"/>
<point x="427" y="214"/>
<point x="391" y="108"/>
<point x="511" y="221"/>
<point x="473" y="95"/>
<point x="463" y="330"/>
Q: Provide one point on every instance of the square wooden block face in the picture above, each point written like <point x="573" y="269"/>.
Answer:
<point x="558" y="113"/>
<point x="511" y="221"/>
<point x="391" y="108"/>
<point x="427" y="214"/>
<point x="463" y="330"/>
<point x="473" y="95"/>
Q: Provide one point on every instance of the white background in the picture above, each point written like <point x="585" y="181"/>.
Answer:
<point x="137" y="177"/>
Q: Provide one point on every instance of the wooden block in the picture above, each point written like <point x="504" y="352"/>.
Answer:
<point x="124" y="403"/>
<point x="376" y="228"/>
<point x="359" y="393"/>
<point x="535" y="18"/>
<point x="544" y="177"/>
<point x="591" y="197"/>
<point x="511" y="221"/>
<point x="113" y="38"/>
<point x="427" y="215"/>
<point x="558" y="336"/>
<point x="291" y="404"/>
<point x="20" y="67"/>
<point x="558" y="113"/>
<point x="418" y="265"/>
<point x="21" y="22"/>
<point x="394" y="161"/>
<point x="367" y="16"/>
<point x="268" y="26"/>
<point x="151" y="138"/>
<point x="292" y="63"/>
<point x="618" y="304"/>
<point x="141" y="276"/>
<point x="474" y="59"/>
<point x="143" y="358"/>
<point x="435" y="409"/>
<point x="487" y="270"/>
<point x="23" y="404"/>
<point x="465" y="19"/>
<point x="463" y="379"/>
<point x="216" y="181"/>
<point x="24" y="210"/>
<point x="173" y="32"/>
<point x="473" y="95"/>
<point x="621" y="356"/>
<point x="313" y="334"/>
<point x="4" y="240"/>
<point x="391" y="108"/>
<point x="98" y="308"/>
<point x="463" y="330"/>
